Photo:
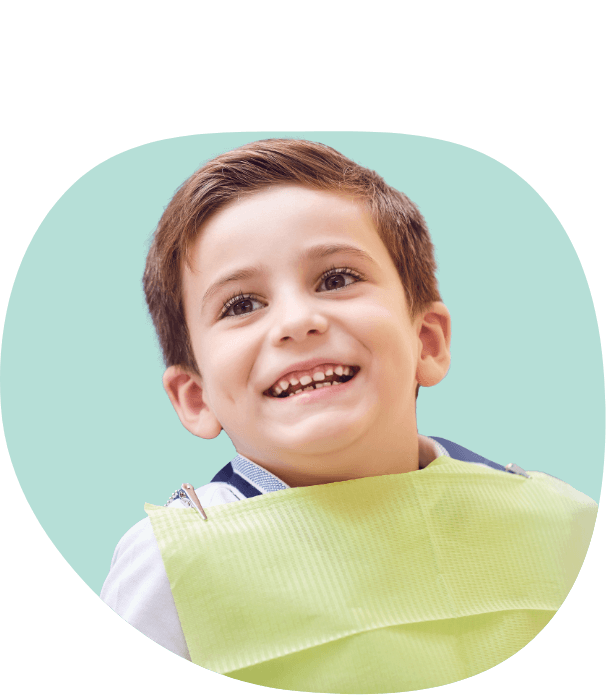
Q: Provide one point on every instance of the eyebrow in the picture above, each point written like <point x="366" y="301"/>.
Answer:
<point x="316" y="253"/>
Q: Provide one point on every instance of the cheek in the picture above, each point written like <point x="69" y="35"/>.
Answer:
<point x="383" y="327"/>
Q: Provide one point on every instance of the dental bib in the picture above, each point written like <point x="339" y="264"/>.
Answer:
<point x="384" y="584"/>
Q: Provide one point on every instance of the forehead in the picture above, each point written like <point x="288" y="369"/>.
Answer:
<point x="274" y="221"/>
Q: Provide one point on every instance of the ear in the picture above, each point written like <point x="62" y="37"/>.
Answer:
<point x="185" y="392"/>
<point x="434" y="343"/>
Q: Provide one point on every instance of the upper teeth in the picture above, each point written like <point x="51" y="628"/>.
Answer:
<point x="305" y="379"/>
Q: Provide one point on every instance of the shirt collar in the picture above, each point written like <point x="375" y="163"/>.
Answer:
<point x="251" y="479"/>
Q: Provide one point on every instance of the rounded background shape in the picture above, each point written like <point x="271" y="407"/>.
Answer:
<point x="86" y="419"/>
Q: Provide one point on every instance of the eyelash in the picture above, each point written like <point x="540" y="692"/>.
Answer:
<point x="241" y="296"/>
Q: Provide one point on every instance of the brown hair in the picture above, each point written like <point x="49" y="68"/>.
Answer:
<point x="256" y="166"/>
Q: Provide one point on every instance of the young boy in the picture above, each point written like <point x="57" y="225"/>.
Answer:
<point x="295" y="299"/>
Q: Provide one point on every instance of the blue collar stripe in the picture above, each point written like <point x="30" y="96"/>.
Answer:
<point x="460" y="453"/>
<point x="249" y="478"/>
<point x="229" y="476"/>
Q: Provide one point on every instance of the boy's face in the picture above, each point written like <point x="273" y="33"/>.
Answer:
<point x="291" y="275"/>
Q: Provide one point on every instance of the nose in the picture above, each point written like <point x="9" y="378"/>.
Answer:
<point x="296" y="320"/>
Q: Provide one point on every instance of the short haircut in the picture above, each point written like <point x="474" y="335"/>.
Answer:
<point x="255" y="167"/>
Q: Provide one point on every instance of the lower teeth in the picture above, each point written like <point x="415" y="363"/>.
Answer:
<point x="312" y="387"/>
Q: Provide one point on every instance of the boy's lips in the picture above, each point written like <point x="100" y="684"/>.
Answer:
<point x="310" y="372"/>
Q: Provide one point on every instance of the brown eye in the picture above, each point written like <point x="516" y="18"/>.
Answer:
<point x="240" y="306"/>
<point x="335" y="281"/>
<point x="243" y="307"/>
<point x="244" y="299"/>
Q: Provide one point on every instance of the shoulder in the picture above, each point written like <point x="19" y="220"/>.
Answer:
<point x="140" y="538"/>
<point x="138" y="590"/>
<point x="137" y="587"/>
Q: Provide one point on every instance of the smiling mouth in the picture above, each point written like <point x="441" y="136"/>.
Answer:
<point x="325" y="381"/>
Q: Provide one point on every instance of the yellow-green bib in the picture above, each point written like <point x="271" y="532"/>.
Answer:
<point x="382" y="584"/>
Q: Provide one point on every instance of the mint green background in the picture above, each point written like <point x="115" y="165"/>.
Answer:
<point x="91" y="432"/>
